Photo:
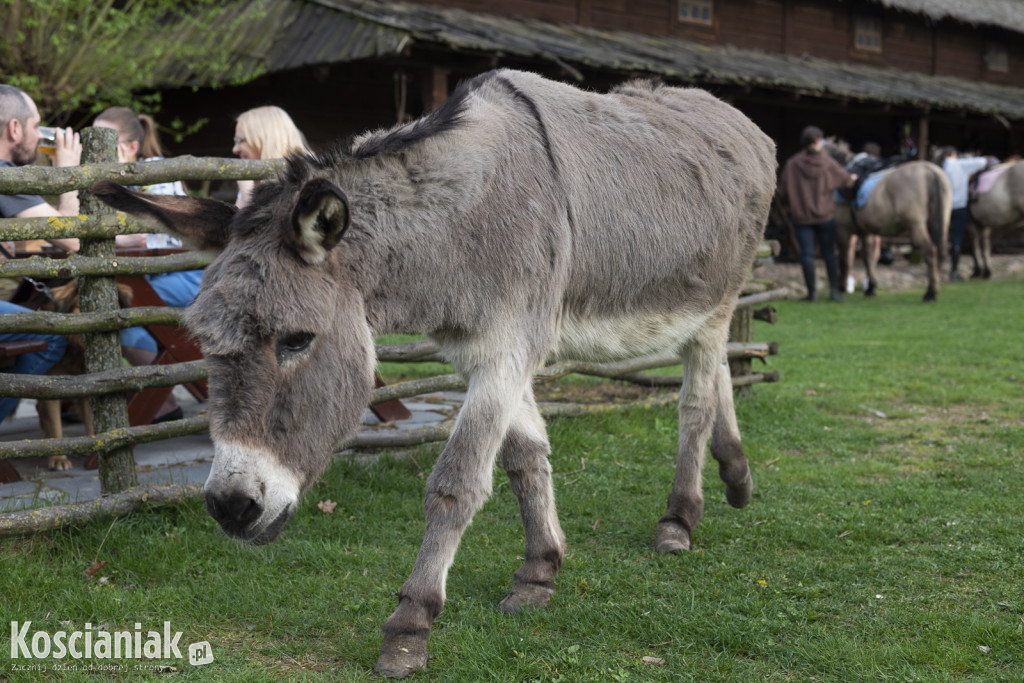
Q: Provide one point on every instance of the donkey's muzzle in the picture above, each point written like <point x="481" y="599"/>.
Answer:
<point x="234" y="513"/>
<point x="249" y="493"/>
<point x="239" y="517"/>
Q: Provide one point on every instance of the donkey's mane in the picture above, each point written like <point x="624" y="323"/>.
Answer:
<point x="447" y="117"/>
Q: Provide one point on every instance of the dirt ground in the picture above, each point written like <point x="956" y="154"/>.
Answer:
<point x="901" y="275"/>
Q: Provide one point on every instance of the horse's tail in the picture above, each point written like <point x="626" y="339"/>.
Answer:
<point x="936" y="215"/>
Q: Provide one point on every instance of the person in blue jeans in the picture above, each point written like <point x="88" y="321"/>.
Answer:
<point x="37" y="363"/>
<point x="806" y="186"/>
<point x="959" y="172"/>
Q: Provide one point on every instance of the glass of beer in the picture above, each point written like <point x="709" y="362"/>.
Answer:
<point x="48" y="141"/>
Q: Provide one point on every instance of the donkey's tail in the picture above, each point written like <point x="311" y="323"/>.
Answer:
<point x="937" y="219"/>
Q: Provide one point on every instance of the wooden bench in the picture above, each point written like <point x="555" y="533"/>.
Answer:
<point x="10" y="350"/>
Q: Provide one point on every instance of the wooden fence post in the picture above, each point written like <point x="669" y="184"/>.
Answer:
<point x="741" y="329"/>
<point x="103" y="349"/>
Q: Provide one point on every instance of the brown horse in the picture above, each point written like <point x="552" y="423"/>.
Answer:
<point x="913" y="198"/>
<point x="1000" y="207"/>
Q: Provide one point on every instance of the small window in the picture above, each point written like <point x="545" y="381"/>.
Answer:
<point x="996" y="58"/>
<point x="696" y="11"/>
<point x="868" y="34"/>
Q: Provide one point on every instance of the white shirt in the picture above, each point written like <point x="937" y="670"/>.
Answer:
<point x="959" y="172"/>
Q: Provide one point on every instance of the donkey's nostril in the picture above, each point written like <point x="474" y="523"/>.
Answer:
<point x="237" y="508"/>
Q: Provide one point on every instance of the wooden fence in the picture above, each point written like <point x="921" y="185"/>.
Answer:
<point x="108" y="383"/>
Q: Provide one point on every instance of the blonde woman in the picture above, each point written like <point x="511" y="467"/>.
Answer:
<point x="265" y="133"/>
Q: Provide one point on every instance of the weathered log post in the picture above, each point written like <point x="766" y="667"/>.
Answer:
<point x="103" y="349"/>
<point x="741" y="329"/>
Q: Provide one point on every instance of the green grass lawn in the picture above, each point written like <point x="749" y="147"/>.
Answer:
<point x="884" y="541"/>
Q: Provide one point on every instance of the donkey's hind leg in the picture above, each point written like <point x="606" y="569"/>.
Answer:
<point x="524" y="455"/>
<point x="726" y="447"/>
<point x="698" y="407"/>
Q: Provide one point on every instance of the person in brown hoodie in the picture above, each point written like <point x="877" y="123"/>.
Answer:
<point x="809" y="179"/>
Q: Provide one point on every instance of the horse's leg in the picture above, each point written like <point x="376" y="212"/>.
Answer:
<point x="524" y="457"/>
<point x="847" y="249"/>
<point x="977" y="254"/>
<point x="456" y="488"/>
<point x="986" y="251"/>
<point x="726" y="447"/>
<point x="930" y="253"/>
<point x="870" y="262"/>
<point x="698" y="406"/>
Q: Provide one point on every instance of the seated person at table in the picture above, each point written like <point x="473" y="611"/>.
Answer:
<point x="19" y="137"/>
<point x="34" y="363"/>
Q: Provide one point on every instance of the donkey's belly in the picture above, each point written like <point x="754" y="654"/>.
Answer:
<point x="605" y="339"/>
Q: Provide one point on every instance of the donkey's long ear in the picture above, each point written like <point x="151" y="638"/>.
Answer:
<point x="203" y="222"/>
<point x="319" y="220"/>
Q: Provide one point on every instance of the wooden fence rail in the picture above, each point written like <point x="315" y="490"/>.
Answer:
<point x="108" y="383"/>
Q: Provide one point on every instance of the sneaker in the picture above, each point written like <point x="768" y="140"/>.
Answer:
<point x="850" y="284"/>
<point x="865" y="283"/>
<point x="956" y="277"/>
<point x="837" y="295"/>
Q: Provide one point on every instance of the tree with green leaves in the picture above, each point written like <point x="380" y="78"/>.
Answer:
<point x="77" y="57"/>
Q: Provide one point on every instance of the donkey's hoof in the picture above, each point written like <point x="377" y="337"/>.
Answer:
<point x="738" y="495"/>
<point x="401" y="655"/>
<point x="58" y="462"/>
<point x="526" y="595"/>
<point x="671" y="538"/>
<point x="930" y="297"/>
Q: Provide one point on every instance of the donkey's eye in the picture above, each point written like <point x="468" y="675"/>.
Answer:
<point x="295" y="343"/>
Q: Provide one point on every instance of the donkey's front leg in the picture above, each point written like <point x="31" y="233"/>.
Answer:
<point x="456" y="488"/>
<point x="524" y="455"/>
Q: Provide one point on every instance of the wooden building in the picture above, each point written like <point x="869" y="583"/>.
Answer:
<point x="904" y="73"/>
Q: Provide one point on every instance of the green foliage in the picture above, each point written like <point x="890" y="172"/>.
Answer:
<point x="86" y="55"/>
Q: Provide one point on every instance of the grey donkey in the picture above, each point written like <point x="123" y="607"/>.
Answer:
<point x="524" y="220"/>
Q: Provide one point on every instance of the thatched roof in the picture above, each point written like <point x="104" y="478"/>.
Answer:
<point x="297" y="33"/>
<point x="1008" y="14"/>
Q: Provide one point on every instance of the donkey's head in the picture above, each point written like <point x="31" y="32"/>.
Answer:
<point x="284" y="333"/>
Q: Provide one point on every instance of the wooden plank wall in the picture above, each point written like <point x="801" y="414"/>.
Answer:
<point x="755" y="24"/>
<point x="819" y="28"/>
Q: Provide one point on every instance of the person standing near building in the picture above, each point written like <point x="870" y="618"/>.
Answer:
<point x="808" y="181"/>
<point x="959" y="172"/>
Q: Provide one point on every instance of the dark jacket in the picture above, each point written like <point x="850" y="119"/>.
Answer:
<point x="807" y="184"/>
